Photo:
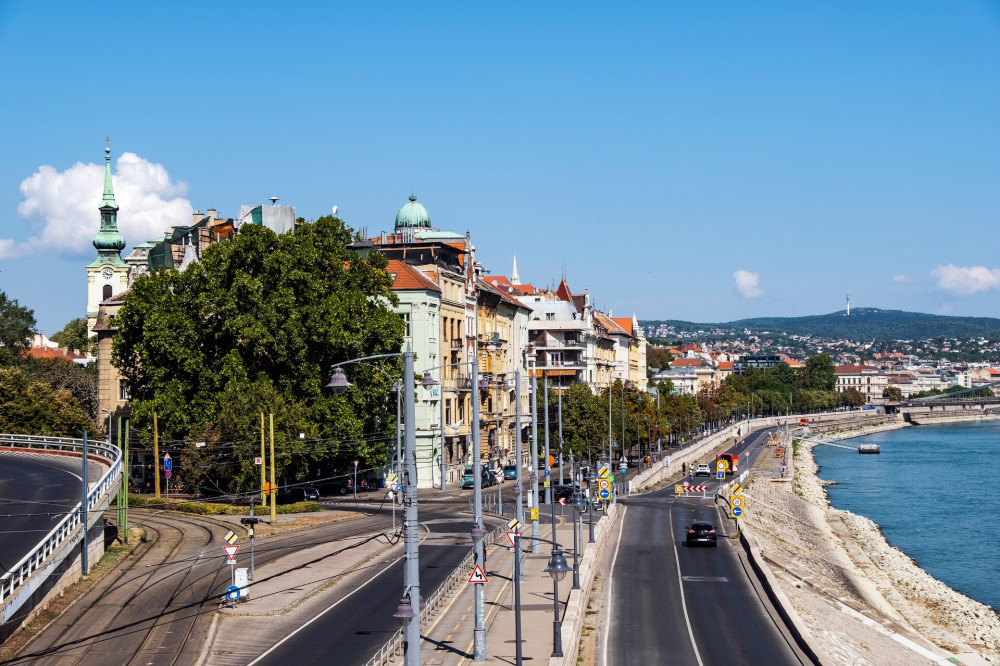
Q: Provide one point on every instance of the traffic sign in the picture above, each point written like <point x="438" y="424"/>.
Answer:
<point x="562" y="500"/>
<point x="720" y="474"/>
<point x="514" y="524"/>
<point x="232" y="593"/>
<point x="737" y="489"/>
<point x="547" y="483"/>
<point x="167" y="473"/>
<point x="168" y="463"/>
<point x="258" y="461"/>
<point x="624" y="468"/>
<point x="534" y="513"/>
<point x="548" y="472"/>
<point x="736" y="500"/>
<point x="737" y="511"/>
<point x="679" y="488"/>
<point x="604" y="471"/>
<point x="230" y="537"/>
<point x="267" y="489"/>
<point x="231" y="552"/>
<point x="697" y="489"/>
<point x="512" y="536"/>
<point x="720" y="465"/>
<point x="604" y="489"/>
<point x="478" y="576"/>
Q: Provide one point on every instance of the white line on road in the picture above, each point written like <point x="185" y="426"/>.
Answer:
<point x="318" y="616"/>
<point x="610" y="597"/>
<point x="680" y="584"/>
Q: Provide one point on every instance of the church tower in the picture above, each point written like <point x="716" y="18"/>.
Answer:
<point x="108" y="274"/>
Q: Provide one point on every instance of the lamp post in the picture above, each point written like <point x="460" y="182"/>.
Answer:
<point x="408" y="611"/>
<point x="548" y="460"/>
<point x="578" y="505"/>
<point x="533" y="497"/>
<point x="558" y="568"/>
<point x="479" y="631"/>
<point x="518" y="506"/>
<point x="108" y="412"/>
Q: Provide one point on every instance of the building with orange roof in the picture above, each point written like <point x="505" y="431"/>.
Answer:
<point x="869" y="381"/>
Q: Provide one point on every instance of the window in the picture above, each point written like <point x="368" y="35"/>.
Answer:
<point x="550" y="316"/>
<point x="123" y="389"/>
<point x="106" y="292"/>
<point x="406" y="324"/>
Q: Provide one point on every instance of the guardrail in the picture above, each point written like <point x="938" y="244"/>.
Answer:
<point x="459" y="576"/>
<point x="17" y="575"/>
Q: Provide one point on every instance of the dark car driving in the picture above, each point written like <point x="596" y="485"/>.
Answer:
<point x="701" y="533"/>
<point x="297" y="494"/>
<point x="558" y="492"/>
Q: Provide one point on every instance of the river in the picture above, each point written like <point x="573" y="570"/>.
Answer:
<point x="934" y="492"/>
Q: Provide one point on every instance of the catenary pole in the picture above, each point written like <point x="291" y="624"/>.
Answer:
<point x="479" y="631"/>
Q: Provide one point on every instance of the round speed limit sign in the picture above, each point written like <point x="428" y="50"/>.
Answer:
<point x="736" y="501"/>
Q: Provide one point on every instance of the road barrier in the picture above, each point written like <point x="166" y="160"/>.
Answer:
<point x="28" y="575"/>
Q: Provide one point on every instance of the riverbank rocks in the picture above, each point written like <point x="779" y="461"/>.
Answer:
<point x="862" y="601"/>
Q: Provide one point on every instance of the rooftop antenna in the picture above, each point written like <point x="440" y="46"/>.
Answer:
<point x="848" y="305"/>
<point x="274" y="200"/>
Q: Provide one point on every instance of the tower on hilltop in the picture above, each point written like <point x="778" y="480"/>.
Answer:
<point x="107" y="275"/>
<point x="848" y="305"/>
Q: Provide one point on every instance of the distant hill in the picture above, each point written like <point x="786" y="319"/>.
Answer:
<point x="863" y="324"/>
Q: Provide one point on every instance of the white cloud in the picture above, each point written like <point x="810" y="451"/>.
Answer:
<point x="966" y="280"/>
<point x="61" y="206"/>
<point x="747" y="284"/>
<point x="902" y="279"/>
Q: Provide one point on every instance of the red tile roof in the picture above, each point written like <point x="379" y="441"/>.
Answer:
<point x="58" y="352"/>
<point x="625" y="323"/>
<point x="687" y="363"/>
<point x="409" y="278"/>
<point x="725" y="365"/>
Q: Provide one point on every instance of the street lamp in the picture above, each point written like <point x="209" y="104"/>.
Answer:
<point x="411" y="566"/>
<point x="557" y="569"/>
<point x="578" y="505"/>
<point x="108" y="412"/>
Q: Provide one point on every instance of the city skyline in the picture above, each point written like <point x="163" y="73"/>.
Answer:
<point x="678" y="162"/>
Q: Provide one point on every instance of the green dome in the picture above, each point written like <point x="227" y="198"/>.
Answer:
<point x="413" y="215"/>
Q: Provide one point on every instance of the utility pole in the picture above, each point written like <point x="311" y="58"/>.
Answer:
<point x="518" y="505"/>
<point x="548" y="459"/>
<point x="479" y="631"/>
<point x="84" y="567"/>
<point x="274" y="485"/>
<point x="263" y="463"/>
<point x="561" y="478"/>
<point x="156" y="458"/>
<point x="536" y="546"/>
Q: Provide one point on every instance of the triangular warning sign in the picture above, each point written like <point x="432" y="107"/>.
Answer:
<point x="511" y="535"/>
<point x="231" y="551"/>
<point x="478" y="576"/>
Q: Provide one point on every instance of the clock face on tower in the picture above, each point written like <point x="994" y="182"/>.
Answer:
<point x="107" y="273"/>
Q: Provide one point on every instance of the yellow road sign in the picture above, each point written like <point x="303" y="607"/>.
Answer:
<point x="604" y="471"/>
<point x="678" y="488"/>
<point x="737" y="489"/>
<point x="230" y="537"/>
<point x="547" y="483"/>
<point x="736" y="500"/>
<point x="534" y="513"/>
<point x="514" y="525"/>
<point x="721" y="465"/>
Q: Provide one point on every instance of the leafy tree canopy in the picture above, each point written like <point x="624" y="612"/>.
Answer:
<point x="16" y="325"/>
<point x="74" y="336"/>
<point x="33" y="407"/>
<point x="254" y="327"/>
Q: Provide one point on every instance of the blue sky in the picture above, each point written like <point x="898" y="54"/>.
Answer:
<point x="701" y="161"/>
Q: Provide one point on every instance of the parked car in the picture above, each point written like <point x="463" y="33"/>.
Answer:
<point x="487" y="478"/>
<point x="703" y="468"/>
<point x="510" y="472"/>
<point x="558" y="492"/>
<point x="297" y="494"/>
<point x="701" y="532"/>
<point x="341" y="486"/>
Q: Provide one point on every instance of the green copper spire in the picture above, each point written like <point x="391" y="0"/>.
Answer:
<point x="108" y="242"/>
<point x="109" y="194"/>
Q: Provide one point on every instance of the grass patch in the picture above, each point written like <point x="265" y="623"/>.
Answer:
<point x="214" y="508"/>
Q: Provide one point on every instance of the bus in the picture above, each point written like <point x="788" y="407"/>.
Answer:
<point x="732" y="462"/>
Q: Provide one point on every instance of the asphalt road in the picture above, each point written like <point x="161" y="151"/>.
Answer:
<point x="36" y="491"/>
<point x="679" y="605"/>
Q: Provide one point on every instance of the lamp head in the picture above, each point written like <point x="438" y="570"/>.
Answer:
<point x="558" y="567"/>
<point x="427" y="381"/>
<point x="338" y="382"/>
<point x="404" y="612"/>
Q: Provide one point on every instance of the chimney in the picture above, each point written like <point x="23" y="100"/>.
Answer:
<point x="211" y="214"/>
<point x="197" y="217"/>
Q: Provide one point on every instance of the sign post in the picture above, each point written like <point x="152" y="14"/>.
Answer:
<point x="231" y="560"/>
<point x="168" y="466"/>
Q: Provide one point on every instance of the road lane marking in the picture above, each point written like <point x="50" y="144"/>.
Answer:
<point x="319" y="615"/>
<point x="680" y="584"/>
<point x="706" y="579"/>
<point x="611" y="582"/>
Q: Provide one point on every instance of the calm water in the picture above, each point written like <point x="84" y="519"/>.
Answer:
<point x="934" y="490"/>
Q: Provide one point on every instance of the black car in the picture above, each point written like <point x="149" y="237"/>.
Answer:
<point x="297" y="494"/>
<point x="558" y="492"/>
<point x="341" y="486"/>
<point x="701" y="533"/>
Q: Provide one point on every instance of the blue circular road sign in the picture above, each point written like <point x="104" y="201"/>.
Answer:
<point x="232" y="593"/>
<point x="737" y="511"/>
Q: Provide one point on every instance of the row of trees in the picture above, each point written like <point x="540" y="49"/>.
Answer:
<point x="40" y="396"/>
<point x="638" y="419"/>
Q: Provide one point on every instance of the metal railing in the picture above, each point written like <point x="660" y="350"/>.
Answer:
<point x="459" y="577"/>
<point x="17" y="575"/>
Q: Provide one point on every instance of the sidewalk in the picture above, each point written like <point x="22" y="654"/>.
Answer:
<point x="448" y="638"/>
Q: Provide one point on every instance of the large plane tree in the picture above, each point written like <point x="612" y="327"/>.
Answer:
<point x="253" y="327"/>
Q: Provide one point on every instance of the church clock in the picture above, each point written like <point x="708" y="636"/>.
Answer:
<point x="107" y="273"/>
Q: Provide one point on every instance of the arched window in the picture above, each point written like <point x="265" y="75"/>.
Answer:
<point x="107" y="292"/>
